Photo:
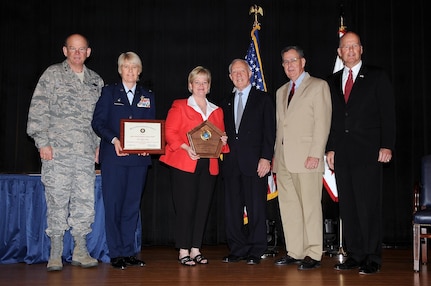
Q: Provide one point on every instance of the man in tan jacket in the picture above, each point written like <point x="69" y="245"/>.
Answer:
<point x="303" y="112"/>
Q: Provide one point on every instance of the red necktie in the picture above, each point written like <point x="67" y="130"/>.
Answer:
<point x="348" y="86"/>
<point x="292" y="91"/>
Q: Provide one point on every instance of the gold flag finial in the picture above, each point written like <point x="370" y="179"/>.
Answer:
<point x="342" y="27"/>
<point x="256" y="10"/>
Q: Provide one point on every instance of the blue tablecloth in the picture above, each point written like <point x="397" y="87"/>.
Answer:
<point x="23" y="223"/>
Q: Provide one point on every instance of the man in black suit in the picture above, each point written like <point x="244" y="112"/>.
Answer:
<point x="246" y="167"/>
<point x="362" y="137"/>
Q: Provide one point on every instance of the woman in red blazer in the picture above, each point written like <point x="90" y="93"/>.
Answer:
<point x="193" y="178"/>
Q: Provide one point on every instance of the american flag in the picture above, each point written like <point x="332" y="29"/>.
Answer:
<point x="253" y="59"/>
<point x="329" y="175"/>
<point x="341" y="31"/>
<point x="258" y="81"/>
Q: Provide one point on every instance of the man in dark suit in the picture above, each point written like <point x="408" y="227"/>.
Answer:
<point x="245" y="169"/>
<point x="362" y="137"/>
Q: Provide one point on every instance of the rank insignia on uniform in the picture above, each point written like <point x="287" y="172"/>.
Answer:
<point x="118" y="102"/>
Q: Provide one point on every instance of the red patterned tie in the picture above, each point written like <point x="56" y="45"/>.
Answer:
<point x="292" y="91"/>
<point x="348" y="87"/>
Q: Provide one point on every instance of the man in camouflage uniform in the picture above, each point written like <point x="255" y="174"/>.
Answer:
<point x="59" y="121"/>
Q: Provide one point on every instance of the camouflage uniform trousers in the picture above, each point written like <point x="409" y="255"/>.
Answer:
<point x="69" y="192"/>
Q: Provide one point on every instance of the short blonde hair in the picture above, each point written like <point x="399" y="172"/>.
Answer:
<point x="199" y="70"/>
<point x="132" y="58"/>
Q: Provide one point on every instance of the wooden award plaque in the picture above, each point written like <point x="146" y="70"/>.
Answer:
<point x="205" y="140"/>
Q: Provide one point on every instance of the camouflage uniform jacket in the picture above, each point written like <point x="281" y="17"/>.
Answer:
<point x="62" y="108"/>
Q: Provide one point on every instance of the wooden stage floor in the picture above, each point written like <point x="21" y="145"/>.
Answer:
<point x="163" y="269"/>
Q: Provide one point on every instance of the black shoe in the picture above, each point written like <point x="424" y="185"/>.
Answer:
<point x="253" y="260"/>
<point x="186" y="261"/>
<point x="133" y="261"/>
<point x="232" y="258"/>
<point x="349" y="264"/>
<point x="119" y="262"/>
<point x="308" y="263"/>
<point x="369" y="268"/>
<point x="286" y="260"/>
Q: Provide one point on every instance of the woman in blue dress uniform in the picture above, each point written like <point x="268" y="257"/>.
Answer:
<point x="123" y="175"/>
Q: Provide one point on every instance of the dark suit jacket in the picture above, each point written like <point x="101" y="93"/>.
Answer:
<point x="256" y="135"/>
<point x="113" y="106"/>
<point x="367" y="122"/>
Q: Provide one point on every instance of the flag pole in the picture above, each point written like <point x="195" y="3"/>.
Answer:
<point x="341" y="31"/>
<point x="341" y="252"/>
<point x="258" y="81"/>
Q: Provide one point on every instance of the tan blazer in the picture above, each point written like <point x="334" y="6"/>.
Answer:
<point x="303" y="128"/>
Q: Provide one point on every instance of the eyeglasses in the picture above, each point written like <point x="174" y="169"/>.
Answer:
<point x="354" y="47"/>
<point x="290" y="61"/>
<point x="74" y="50"/>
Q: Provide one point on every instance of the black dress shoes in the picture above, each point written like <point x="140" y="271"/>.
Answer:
<point x="286" y="260"/>
<point x="349" y="264"/>
<point x="253" y="260"/>
<point x="308" y="263"/>
<point x="370" y="267"/>
<point x="232" y="258"/>
<point x="133" y="261"/>
<point x="118" y="262"/>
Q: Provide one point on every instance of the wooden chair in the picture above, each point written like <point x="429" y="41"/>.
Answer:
<point x="422" y="215"/>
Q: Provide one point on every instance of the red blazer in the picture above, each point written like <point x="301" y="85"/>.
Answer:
<point x="180" y="120"/>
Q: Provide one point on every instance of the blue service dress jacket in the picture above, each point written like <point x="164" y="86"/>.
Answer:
<point x="112" y="106"/>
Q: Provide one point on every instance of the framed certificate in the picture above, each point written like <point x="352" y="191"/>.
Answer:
<point x="142" y="136"/>
<point x="205" y="140"/>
